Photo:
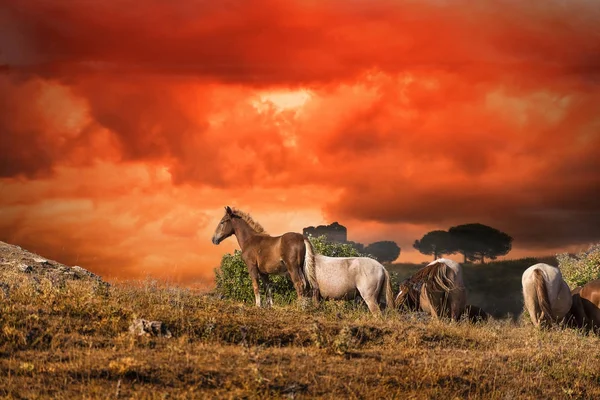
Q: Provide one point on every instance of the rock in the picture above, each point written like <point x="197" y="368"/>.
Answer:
<point x="143" y="327"/>
<point x="82" y="272"/>
<point x="24" y="268"/>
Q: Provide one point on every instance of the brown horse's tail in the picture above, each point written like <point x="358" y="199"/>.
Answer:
<point x="389" y="294"/>
<point x="541" y="292"/>
<point x="310" y="270"/>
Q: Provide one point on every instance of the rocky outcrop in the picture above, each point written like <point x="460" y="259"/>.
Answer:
<point x="17" y="260"/>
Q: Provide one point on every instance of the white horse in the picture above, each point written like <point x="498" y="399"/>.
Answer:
<point x="341" y="277"/>
<point x="547" y="296"/>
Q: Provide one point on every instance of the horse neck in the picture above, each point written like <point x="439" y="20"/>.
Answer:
<point x="242" y="231"/>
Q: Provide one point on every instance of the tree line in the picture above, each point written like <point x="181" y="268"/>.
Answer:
<point x="383" y="251"/>
<point x="475" y="242"/>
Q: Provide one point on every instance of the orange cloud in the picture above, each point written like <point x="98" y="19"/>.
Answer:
<point x="127" y="128"/>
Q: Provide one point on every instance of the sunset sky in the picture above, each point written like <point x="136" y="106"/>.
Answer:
<point x="127" y="126"/>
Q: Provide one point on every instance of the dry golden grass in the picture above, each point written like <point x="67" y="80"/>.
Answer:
<point x="70" y="340"/>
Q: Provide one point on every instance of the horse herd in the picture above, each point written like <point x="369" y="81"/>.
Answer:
<point x="437" y="289"/>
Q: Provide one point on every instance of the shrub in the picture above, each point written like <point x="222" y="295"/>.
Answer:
<point x="233" y="281"/>
<point x="581" y="268"/>
<point x="332" y="249"/>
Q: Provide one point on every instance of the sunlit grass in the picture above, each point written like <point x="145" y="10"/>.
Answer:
<point x="71" y="340"/>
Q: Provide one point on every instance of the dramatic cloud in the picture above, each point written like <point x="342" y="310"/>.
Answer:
<point x="126" y="128"/>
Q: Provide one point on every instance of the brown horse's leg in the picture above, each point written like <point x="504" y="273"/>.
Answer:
<point x="254" y="275"/>
<point x="457" y="300"/>
<point x="297" y="280"/>
<point x="445" y="305"/>
<point x="267" y="282"/>
<point x="426" y="303"/>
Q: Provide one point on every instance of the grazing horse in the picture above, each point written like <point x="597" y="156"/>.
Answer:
<point x="585" y="310"/>
<point x="437" y="289"/>
<point x="289" y="254"/>
<point x="341" y="277"/>
<point x="547" y="296"/>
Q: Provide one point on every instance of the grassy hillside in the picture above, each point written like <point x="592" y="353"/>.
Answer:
<point x="70" y="339"/>
<point x="494" y="286"/>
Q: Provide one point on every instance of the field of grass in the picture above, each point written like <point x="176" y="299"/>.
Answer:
<point x="70" y="340"/>
<point x="494" y="286"/>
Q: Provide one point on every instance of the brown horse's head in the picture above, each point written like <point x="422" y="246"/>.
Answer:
<point x="225" y="227"/>
<point x="408" y="297"/>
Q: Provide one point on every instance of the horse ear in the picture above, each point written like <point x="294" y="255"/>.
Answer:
<point x="228" y="210"/>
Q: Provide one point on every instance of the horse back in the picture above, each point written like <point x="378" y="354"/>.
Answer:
<point x="288" y="242"/>
<point x="292" y="243"/>
<point x="341" y="277"/>
<point x="274" y="254"/>
<point x="591" y="292"/>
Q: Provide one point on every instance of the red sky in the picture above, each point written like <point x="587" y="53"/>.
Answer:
<point x="127" y="126"/>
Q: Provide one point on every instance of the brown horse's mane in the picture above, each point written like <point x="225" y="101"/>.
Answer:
<point x="432" y="274"/>
<point x="250" y="221"/>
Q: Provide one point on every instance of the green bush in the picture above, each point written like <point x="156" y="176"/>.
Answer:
<point x="233" y="281"/>
<point x="581" y="268"/>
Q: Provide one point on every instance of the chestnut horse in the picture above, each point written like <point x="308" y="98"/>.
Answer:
<point x="547" y="296"/>
<point x="585" y="310"/>
<point x="437" y="289"/>
<point x="289" y="254"/>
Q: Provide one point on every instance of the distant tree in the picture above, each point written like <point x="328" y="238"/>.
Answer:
<point x="384" y="251"/>
<point x="478" y="241"/>
<point x="436" y="243"/>
<point x="358" y="246"/>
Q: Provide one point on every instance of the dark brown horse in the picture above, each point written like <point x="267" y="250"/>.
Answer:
<point x="289" y="254"/>
<point x="437" y="289"/>
<point x="585" y="309"/>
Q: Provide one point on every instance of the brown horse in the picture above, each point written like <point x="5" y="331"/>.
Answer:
<point x="437" y="289"/>
<point x="585" y="309"/>
<point x="289" y="254"/>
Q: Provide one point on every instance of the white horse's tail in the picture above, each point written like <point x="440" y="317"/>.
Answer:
<point x="389" y="294"/>
<point x="310" y="270"/>
<point x="542" y="299"/>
